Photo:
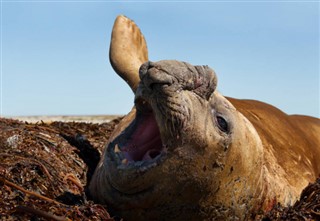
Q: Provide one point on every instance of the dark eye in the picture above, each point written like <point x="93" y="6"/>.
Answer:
<point x="222" y="124"/>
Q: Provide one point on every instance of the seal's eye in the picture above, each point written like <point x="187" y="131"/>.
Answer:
<point x="222" y="124"/>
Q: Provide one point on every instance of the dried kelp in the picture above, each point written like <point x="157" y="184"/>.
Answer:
<point x="45" y="169"/>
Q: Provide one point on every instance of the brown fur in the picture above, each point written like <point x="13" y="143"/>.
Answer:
<point x="293" y="139"/>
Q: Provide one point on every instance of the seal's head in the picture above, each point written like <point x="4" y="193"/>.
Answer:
<point x="182" y="152"/>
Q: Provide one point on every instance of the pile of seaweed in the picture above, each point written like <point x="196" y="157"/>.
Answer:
<point x="45" y="170"/>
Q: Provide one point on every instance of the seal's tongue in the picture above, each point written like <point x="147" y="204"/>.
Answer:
<point x="145" y="142"/>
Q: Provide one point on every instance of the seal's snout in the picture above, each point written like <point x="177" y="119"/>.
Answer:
<point x="152" y="74"/>
<point x="170" y="76"/>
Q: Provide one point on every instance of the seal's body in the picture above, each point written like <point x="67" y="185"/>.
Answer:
<point x="185" y="152"/>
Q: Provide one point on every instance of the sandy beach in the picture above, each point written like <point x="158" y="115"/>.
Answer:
<point x="75" y="118"/>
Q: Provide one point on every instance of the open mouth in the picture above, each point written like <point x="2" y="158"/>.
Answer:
<point x="144" y="143"/>
<point x="140" y="145"/>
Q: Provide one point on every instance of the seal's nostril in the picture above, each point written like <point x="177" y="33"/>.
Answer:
<point x="153" y="76"/>
<point x="144" y="69"/>
<point x="151" y="64"/>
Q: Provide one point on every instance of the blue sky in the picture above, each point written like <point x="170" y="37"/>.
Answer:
<point x="55" y="53"/>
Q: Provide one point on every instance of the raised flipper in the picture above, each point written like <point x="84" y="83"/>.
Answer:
<point x="128" y="50"/>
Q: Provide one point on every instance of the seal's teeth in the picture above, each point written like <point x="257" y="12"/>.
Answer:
<point x="117" y="149"/>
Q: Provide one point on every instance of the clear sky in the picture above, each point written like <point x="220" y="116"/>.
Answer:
<point x="54" y="54"/>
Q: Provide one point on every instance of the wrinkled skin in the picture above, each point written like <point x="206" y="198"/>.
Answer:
<point x="194" y="147"/>
<point x="185" y="152"/>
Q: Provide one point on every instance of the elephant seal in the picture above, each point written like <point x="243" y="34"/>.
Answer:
<point x="185" y="152"/>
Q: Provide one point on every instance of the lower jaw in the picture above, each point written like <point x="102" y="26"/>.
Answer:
<point x="130" y="192"/>
<point x="123" y="165"/>
<point x="135" y="177"/>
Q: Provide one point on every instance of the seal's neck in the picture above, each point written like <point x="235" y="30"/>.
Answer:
<point x="276" y="188"/>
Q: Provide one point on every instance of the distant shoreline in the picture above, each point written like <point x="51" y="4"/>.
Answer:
<point x="66" y="118"/>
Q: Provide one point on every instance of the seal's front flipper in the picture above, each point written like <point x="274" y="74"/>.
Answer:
<point x="128" y="50"/>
